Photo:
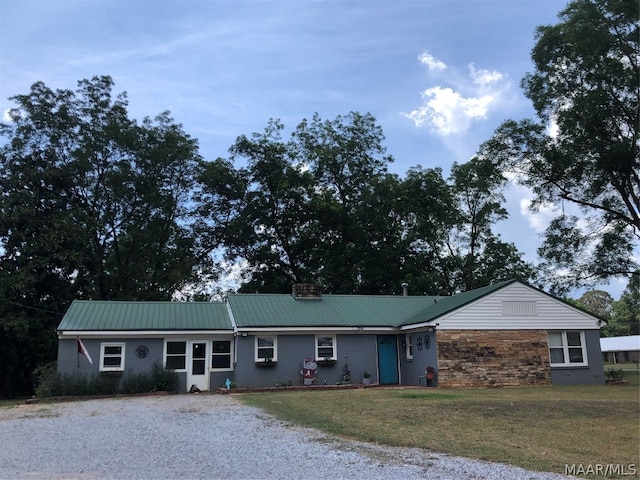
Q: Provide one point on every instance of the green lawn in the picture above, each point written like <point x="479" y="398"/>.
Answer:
<point x="538" y="428"/>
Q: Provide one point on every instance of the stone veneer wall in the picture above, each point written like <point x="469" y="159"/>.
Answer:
<point x="492" y="358"/>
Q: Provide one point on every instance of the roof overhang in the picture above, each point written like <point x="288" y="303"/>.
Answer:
<point x="62" y="334"/>
<point x="283" y="330"/>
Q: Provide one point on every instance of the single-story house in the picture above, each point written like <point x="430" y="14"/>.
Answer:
<point x="621" y="349"/>
<point x="505" y="334"/>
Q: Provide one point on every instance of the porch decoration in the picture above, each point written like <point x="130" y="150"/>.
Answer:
<point x="309" y="371"/>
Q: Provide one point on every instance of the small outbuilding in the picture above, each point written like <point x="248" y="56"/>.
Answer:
<point x="621" y="349"/>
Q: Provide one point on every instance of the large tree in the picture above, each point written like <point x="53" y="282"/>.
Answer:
<point x="582" y="155"/>
<point x="94" y="205"/>
<point x="322" y="207"/>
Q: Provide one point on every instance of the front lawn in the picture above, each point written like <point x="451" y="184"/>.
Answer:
<point x="538" y="428"/>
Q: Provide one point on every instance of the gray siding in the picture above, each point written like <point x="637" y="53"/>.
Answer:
<point x="68" y="358"/>
<point x="412" y="370"/>
<point x="593" y="374"/>
<point x="293" y="349"/>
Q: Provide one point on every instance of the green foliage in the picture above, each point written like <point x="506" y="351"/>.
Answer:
<point x="584" y="152"/>
<point x="93" y="205"/>
<point x="52" y="384"/>
<point x="625" y="313"/>
<point x="615" y="375"/>
<point x="322" y="208"/>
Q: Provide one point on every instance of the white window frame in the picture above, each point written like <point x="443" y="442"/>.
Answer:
<point x="212" y="354"/>
<point x="274" y="357"/>
<point x="166" y="354"/>
<point x="566" y="347"/>
<point x="408" y="346"/>
<point x="334" y="346"/>
<point x="112" y="368"/>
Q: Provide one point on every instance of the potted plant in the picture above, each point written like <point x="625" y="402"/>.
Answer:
<point x="366" y="378"/>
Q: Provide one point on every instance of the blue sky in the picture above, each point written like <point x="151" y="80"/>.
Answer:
<point x="438" y="75"/>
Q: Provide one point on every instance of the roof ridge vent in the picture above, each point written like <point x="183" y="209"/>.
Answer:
<point x="306" y="291"/>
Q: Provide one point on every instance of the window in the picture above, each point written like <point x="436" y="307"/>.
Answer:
<point x="266" y="348"/>
<point x="326" y="348"/>
<point x="112" y="357"/>
<point x="408" y="346"/>
<point x="567" y="348"/>
<point x="221" y="354"/>
<point x="176" y="355"/>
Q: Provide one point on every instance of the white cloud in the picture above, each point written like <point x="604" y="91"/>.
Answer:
<point x="6" y="118"/>
<point x="430" y="61"/>
<point x="540" y="219"/>
<point x="483" y="77"/>
<point x="448" y="110"/>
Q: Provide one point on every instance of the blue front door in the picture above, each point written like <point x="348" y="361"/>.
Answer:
<point x="388" y="359"/>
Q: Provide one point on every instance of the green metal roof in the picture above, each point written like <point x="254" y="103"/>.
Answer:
<point x="267" y="311"/>
<point x="127" y="316"/>
<point x="273" y="310"/>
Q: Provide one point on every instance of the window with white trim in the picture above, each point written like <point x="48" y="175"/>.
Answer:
<point x="220" y="354"/>
<point x="326" y="347"/>
<point x="266" y="348"/>
<point x="567" y="348"/>
<point x="408" y="346"/>
<point x="112" y="357"/>
<point x="176" y="355"/>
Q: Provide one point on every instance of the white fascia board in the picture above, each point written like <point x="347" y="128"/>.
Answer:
<point x="139" y="333"/>
<point x="418" y="326"/>
<point x="314" y="329"/>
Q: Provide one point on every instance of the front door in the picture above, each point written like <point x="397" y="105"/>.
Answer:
<point x="388" y="360"/>
<point x="197" y="371"/>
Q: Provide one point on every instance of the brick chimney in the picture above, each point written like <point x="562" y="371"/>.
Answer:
<point x="302" y="291"/>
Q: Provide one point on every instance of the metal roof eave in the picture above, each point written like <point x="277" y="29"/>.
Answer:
<point x="64" y="334"/>
<point x="325" y="328"/>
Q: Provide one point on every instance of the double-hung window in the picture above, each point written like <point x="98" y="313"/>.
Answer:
<point x="326" y="348"/>
<point x="266" y="349"/>
<point x="221" y="354"/>
<point x="112" y="357"/>
<point x="567" y="348"/>
<point x="176" y="355"/>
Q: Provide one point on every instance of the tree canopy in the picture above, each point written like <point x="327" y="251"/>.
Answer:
<point x="94" y="205"/>
<point x="322" y="207"/>
<point x="584" y="149"/>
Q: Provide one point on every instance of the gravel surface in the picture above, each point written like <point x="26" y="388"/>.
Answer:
<point x="204" y="436"/>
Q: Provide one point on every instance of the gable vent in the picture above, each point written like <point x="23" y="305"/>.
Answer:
<point x="307" y="291"/>
<point x="519" y="308"/>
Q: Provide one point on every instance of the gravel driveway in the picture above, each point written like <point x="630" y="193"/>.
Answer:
<point x="203" y="436"/>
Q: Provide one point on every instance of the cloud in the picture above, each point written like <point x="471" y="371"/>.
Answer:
<point x="6" y="118"/>
<point x="539" y="220"/>
<point x="451" y="109"/>
<point x="430" y="61"/>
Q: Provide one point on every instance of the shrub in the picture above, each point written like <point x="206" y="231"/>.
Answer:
<point x="614" y="375"/>
<point x="48" y="383"/>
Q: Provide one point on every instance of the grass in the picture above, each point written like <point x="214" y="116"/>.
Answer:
<point x="538" y="428"/>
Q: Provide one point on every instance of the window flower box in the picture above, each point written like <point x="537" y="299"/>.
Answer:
<point x="266" y="363"/>
<point x="326" y="362"/>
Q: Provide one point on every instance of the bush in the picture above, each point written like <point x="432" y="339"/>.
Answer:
<point x="614" y="375"/>
<point x="51" y="384"/>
